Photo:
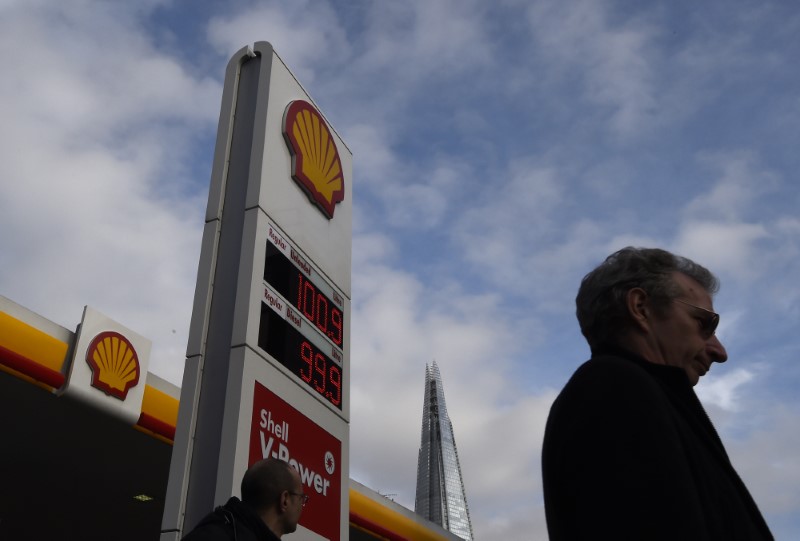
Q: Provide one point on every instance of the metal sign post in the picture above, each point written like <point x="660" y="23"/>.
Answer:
<point x="268" y="360"/>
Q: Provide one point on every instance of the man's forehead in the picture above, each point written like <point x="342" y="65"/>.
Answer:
<point x="690" y="286"/>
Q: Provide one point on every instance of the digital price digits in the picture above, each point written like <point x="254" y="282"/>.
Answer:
<point x="303" y="294"/>
<point x="317" y="308"/>
<point x="286" y="344"/>
<point x="328" y="372"/>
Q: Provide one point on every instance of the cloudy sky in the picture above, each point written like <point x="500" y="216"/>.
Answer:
<point x="501" y="150"/>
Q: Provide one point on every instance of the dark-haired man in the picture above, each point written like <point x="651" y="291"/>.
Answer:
<point x="629" y="452"/>
<point x="271" y="504"/>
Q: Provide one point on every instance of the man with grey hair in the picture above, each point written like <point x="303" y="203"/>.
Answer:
<point x="629" y="452"/>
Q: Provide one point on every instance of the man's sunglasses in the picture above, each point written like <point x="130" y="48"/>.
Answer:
<point x="303" y="497"/>
<point x="709" y="321"/>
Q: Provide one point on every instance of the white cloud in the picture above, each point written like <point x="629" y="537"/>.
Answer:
<point x="767" y="461"/>
<point x="413" y="40"/>
<point x="78" y="82"/>
<point x="376" y="158"/>
<point x="91" y="128"/>
<point x="306" y="34"/>
<point x="726" y="227"/>
<point x="499" y="448"/>
<point x="508" y="215"/>
<point x="738" y="184"/>
<point x="723" y="391"/>
<point x="614" y="61"/>
<point x="719" y="245"/>
<point x="419" y="198"/>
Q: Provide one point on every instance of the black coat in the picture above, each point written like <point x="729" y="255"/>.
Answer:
<point x="630" y="454"/>
<point x="233" y="521"/>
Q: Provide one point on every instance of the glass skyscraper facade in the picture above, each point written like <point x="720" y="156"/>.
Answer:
<point x="441" y="497"/>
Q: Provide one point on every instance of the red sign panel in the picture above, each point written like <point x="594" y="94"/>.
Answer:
<point x="280" y="431"/>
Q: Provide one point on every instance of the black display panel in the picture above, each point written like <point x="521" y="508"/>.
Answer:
<point x="288" y="346"/>
<point x="294" y="285"/>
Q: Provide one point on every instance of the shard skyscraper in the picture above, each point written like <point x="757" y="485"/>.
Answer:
<point x="441" y="497"/>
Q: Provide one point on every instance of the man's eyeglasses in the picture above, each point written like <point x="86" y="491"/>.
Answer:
<point x="708" y="323"/>
<point x="303" y="497"/>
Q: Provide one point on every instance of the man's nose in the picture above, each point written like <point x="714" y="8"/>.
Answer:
<point x="715" y="350"/>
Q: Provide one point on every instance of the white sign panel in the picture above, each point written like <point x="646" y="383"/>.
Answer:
<point x="268" y="360"/>
<point x="109" y="366"/>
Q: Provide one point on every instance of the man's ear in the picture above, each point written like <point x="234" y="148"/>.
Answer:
<point x="637" y="303"/>
<point x="283" y="502"/>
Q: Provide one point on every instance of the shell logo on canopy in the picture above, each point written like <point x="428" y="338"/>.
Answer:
<point x="316" y="165"/>
<point x="114" y="364"/>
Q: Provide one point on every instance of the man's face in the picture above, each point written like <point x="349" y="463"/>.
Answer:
<point x="679" y="336"/>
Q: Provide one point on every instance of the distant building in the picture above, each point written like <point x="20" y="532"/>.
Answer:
<point x="441" y="497"/>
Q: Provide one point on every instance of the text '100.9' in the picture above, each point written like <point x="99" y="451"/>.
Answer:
<point x="293" y="284"/>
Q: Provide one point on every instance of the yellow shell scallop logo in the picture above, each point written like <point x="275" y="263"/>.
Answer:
<point x="316" y="166"/>
<point x="114" y="363"/>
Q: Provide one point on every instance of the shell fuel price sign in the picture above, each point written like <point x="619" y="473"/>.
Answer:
<point x="303" y="321"/>
<point x="268" y="361"/>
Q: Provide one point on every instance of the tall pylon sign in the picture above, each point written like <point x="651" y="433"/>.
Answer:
<point x="268" y="361"/>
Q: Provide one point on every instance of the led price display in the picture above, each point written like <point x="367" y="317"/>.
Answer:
<point x="294" y="285"/>
<point x="300" y="355"/>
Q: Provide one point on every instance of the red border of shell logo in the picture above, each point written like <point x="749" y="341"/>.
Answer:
<point x="114" y="363"/>
<point x="316" y="166"/>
